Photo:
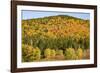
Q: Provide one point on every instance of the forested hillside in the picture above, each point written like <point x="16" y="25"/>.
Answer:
<point x="58" y="37"/>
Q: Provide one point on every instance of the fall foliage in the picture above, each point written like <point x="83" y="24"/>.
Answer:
<point x="58" y="37"/>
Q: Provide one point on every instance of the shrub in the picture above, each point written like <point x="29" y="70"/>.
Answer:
<point x="53" y="53"/>
<point x="47" y="53"/>
<point x="30" y="54"/>
<point x="60" y="52"/>
<point x="79" y="53"/>
<point x="70" y="54"/>
<point x="59" y="55"/>
<point x="37" y="53"/>
<point x="27" y="53"/>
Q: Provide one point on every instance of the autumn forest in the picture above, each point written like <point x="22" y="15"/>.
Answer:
<point x="59" y="37"/>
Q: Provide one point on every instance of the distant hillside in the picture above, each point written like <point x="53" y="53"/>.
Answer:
<point x="59" y="19"/>
<point x="56" y="16"/>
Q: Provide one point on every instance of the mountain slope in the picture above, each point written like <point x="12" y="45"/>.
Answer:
<point x="59" y="26"/>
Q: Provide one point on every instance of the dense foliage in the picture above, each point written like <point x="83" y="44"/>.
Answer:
<point x="55" y="38"/>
